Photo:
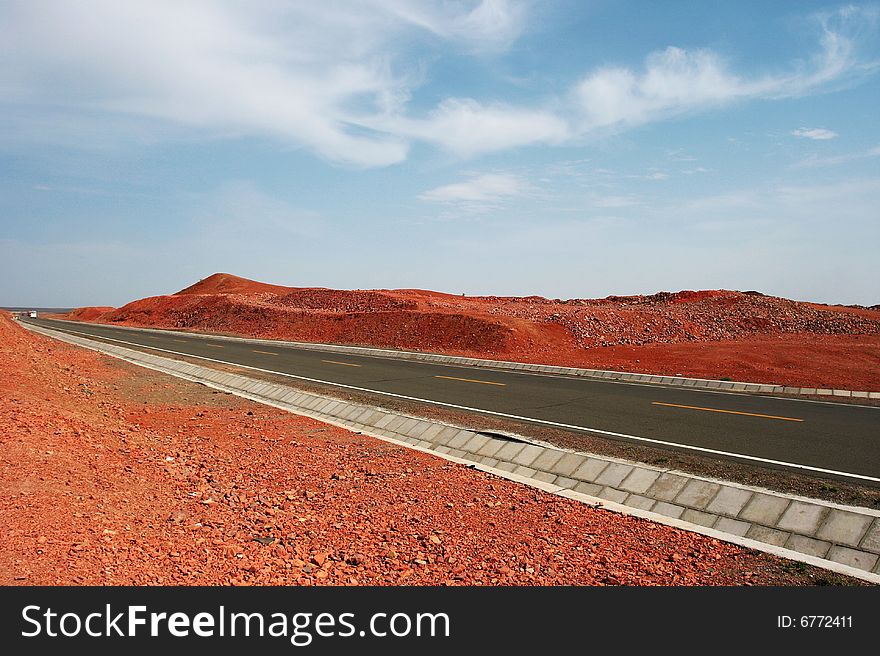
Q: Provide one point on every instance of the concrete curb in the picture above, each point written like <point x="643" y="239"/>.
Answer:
<point x="844" y="539"/>
<point x="622" y="376"/>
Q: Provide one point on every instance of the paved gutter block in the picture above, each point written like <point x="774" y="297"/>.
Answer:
<point x="611" y="494"/>
<point x="764" y="509"/>
<point x="462" y="438"/>
<point x="373" y="418"/>
<point x="667" y="509"/>
<point x="476" y="443"/>
<point x="697" y="494"/>
<point x="871" y="541"/>
<point x="544" y="477"/>
<point x="346" y="411"/>
<point x="590" y="470"/>
<point x="803" y="518"/>
<point x="489" y="462"/>
<point x="809" y="546"/>
<point x="699" y="517"/>
<point x="524" y="471"/>
<point x="844" y="527"/>
<point x="568" y="463"/>
<point x="729" y="501"/>
<point x="508" y="451"/>
<point x="590" y="489"/>
<point x="359" y="417"/>
<point x="277" y="393"/>
<point x="528" y="454"/>
<point x="395" y="423"/>
<point x="333" y="407"/>
<point x="768" y="535"/>
<point x="614" y="474"/>
<point x="732" y="526"/>
<point x="546" y="460"/>
<point x="506" y="466"/>
<point x="432" y="432"/>
<point x="852" y="557"/>
<point x="564" y="481"/>
<point x="446" y="435"/>
<point x="639" y="480"/>
<point x="491" y="448"/>
<point x="667" y="486"/>
<point x="384" y="421"/>
<point x="407" y="426"/>
<point x="419" y="428"/>
<point x="638" y="501"/>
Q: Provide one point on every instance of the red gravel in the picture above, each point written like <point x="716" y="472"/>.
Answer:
<point x="113" y="474"/>
<point x="708" y="334"/>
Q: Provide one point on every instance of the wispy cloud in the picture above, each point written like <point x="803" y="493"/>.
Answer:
<point x="317" y="75"/>
<point x="817" y="134"/>
<point x="481" y="192"/>
<point x="815" y="161"/>
<point x="468" y="128"/>
<point x="336" y="78"/>
<point x="677" y="80"/>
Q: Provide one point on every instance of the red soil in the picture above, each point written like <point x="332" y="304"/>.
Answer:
<point x="88" y="313"/>
<point x="708" y="334"/>
<point x="114" y="475"/>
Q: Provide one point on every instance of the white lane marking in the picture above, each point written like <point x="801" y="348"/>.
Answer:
<point x="588" y="379"/>
<point x="510" y="416"/>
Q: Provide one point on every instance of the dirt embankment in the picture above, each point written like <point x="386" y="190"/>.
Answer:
<point x="706" y="334"/>
<point x="113" y="474"/>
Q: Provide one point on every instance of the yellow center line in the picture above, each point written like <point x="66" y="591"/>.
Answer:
<point x="264" y="352"/>
<point x="344" y="364"/>
<point x="179" y="341"/>
<point x="214" y="345"/>
<point x="729" y="412"/>
<point x="471" y="380"/>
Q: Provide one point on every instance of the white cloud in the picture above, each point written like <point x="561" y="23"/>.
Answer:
<point x="336" y="77"/>
<point x="817" y="134"/>
<point x="468" y="128"/>
<point x="677" y="81"/>
<point x="480" y="192"/>
<point x="814" y="161"/>
<point x="317" y="75"/>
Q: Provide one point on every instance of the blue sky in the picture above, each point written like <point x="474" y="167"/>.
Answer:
<point x="567" y="149"/>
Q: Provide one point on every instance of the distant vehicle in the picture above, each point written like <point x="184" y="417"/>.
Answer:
<point x="32" y="314"/>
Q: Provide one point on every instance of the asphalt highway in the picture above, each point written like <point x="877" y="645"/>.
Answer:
<point x="824" y="438"/>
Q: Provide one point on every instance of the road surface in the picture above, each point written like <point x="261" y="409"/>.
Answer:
<point x="822" y="438"/>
